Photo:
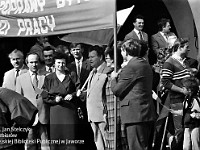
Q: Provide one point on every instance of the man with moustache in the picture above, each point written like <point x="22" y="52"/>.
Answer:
<point x="28" y="85"/>
<point x="162" y="42"/>
<point x="17" y="60"/>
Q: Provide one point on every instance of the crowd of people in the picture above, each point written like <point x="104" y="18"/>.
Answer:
<point x="75" y="95"/>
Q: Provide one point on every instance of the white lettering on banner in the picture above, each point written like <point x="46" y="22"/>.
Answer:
<point x="21" y="6"/>
<point x="62" y="3"/>
<point x="4" y="27"/>
<point x="34" y="26"/>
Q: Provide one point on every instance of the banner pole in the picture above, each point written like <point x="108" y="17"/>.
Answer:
<point x="115" y="69"/>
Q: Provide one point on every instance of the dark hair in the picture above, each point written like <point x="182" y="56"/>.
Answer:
<point x="48" y="48"/>
<point x="60" y="55"/>
<point x="192" y="84"/>
<point x="162" y="23"/>
<point x="134" y="47"/>
<point x="110" y="51"/>
<point x="138" y="17"/>
<point x="73" y="45"/>
<point x="98" y="49"/>
<point x="180" y="42"/>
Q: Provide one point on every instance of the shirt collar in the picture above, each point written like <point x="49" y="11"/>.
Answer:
<point x="80" y="60"/>
<point x="136" y="31"/>
<point x="178" y="57"/>
<point x="32" y="73"/>
<point x="98" y="68"/>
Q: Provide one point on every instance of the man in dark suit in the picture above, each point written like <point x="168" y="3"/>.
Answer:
<point x="80" y="65"/>
<point x="134" y="88"/>
<point x="10" y="77"/>
<point x="82" y="68"/>
<point x="137" y="32"/>
<point x="48" y="55"/>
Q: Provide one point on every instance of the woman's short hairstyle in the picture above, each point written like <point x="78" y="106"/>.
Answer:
<point x="136" y="48"/>
<point x="60" y="55"/>
<point x="110" y="51"/>
<point x="180" y="42"/>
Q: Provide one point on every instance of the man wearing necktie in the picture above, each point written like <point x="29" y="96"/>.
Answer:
<point x="28" y="85"/>
<point x="17" y="60"/>
<point x="160" y="39"/>
<point x="96" y="101"/>
<point x="137" y="32"/>
<point x="81" y="66"/>
<point x="160" y="46"/>
<point x="48" y="53"/>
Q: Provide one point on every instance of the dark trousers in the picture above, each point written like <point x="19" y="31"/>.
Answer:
<point x="139" y="135"/>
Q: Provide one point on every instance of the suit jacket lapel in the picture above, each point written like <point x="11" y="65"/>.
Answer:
<point x="29" y="81"/>
<point x="135" y="35"/>
<point x="161" y="38"/>
<point x="96" y="76"/>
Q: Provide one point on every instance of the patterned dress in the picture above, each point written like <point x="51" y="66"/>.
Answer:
<point x="121" y="139"/>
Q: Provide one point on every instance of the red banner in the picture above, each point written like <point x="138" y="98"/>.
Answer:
<point x="50" y="17"/>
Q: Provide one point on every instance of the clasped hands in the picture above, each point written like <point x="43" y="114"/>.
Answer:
<point x="59" y="98"/>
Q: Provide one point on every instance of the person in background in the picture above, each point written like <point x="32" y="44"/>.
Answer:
<point x="110" y="98"/>
<point x="133" y="86"/>
<point x="162" y="43"/>
<point x="81" y="66"/>
<point x="191" y="114"/>
<point x="28" y="85"/>
<point x="137" y="32"/>
<point x="17" y="60"/>
<point x="64" y="49"/>
<point x="41" y="42"/>
<point x="48" y="55"/>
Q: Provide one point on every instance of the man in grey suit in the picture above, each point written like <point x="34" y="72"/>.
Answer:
<point x="133" y="86"/>
<point x="17" y="60"/>
<point x="96" y="102"/>
<point x="137" y="32"/>
<point x="161" y="40"/>
<point x="28" y="85"/>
